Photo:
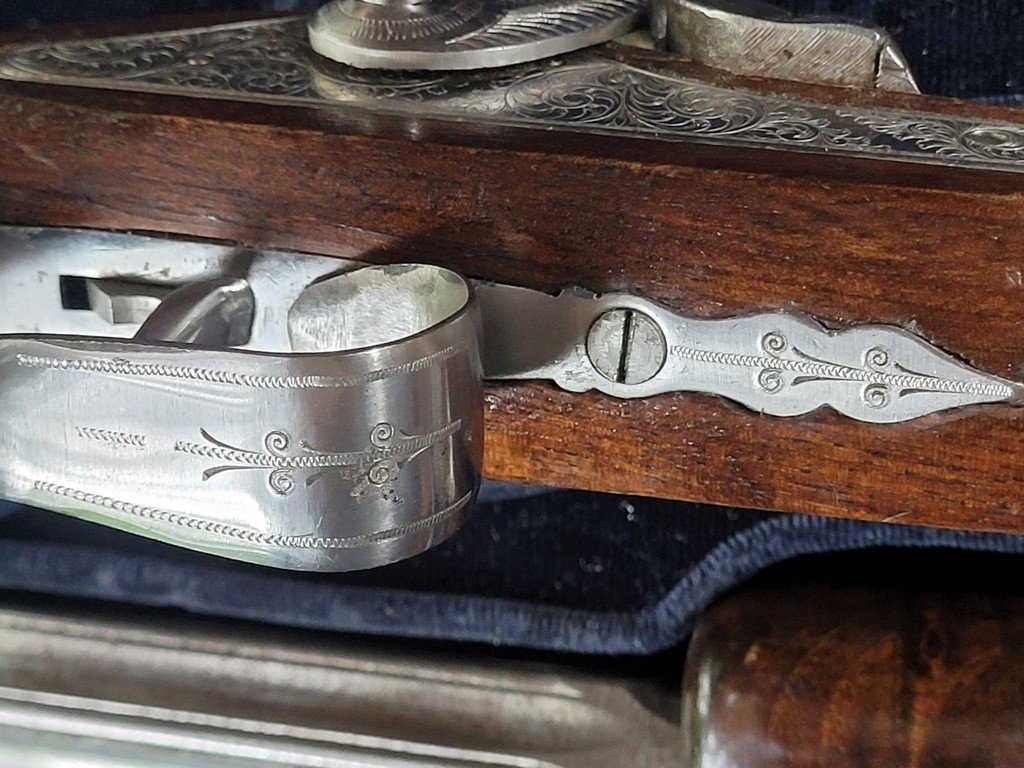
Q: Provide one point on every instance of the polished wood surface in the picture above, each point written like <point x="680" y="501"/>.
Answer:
<point x="861" y="672"/>
<point x="704" y="230"/>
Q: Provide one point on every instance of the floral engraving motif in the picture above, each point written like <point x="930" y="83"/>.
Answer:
<point x="612" y="96"/>
<point x="882" y="382"/>
<point x="950" y="139"/>
<point x="219" y="58"/>
<point x="270" y="60"/>
<point x="372" y="470"/>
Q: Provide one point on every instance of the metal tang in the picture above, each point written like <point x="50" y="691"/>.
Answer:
<point x="299" y="412"/>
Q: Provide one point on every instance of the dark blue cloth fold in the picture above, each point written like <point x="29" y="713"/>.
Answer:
<point x="75" y="559"/>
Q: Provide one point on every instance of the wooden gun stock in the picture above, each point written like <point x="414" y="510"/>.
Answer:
<point x="707" y="228"/>
<point x="854" y="672"/>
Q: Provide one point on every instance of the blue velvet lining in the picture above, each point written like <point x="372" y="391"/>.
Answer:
<point x="163" y="576"/>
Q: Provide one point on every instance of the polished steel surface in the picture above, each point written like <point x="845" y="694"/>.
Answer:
<point x="465" y="34"/>
<point x="123" y="694"/>
<point x="778" y="363"/>
<point x="342" y="432"/>
<point x="270" y="61"/>
<point x="123" y="303"/>
<point x="218" y="312"/>
<point x="750" y="37"/>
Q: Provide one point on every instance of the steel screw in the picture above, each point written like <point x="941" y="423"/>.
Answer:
<point x="626" y="346"/>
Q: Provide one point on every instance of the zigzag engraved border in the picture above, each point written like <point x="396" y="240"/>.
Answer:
<point x="212" y="376"/>
<point x="248" y="535"/>
<point x="111" y="437"/>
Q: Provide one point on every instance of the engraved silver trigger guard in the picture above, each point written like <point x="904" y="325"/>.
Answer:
<point x="318" y="414"/>
<point x="299" y="412"/>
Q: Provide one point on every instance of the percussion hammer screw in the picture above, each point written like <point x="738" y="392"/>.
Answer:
<point x="626" y="346"/>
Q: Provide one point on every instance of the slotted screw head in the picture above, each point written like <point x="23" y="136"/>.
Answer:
<point x="626" y="346"/>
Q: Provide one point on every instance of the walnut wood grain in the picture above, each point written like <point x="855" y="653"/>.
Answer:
<point x="858" y="674"/>
<point x="704" y="230"/>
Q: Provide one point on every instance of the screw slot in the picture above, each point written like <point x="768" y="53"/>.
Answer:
<point x="626" y="346"/>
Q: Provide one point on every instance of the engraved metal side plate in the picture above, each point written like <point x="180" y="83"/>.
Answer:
<point x="777" y="363"/>
<point x="271" y="61"/>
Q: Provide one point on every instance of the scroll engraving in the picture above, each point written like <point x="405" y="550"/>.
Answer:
<point x="372" y="470"/>
<point x="871" y="373"/>
<point x="883" y="380"/>
<point x="271" y="61"/>
<point x="950" y="139"/>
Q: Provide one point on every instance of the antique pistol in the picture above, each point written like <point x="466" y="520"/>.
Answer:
<point x="284" y="289"/>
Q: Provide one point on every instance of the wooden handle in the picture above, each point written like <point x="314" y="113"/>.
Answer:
<point x="858" y="674"/>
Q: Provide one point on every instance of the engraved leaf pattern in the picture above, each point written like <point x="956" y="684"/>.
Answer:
<point x="373" y="470"/>
<point x="785" y="366"/>
<point x="951" y="139"/>
<point x="526" y="21"/>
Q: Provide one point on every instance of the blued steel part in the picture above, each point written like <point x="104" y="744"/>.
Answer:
<point x="334" y="460"/>
<point x="749" y="37"/>
<point x="197" y="696"/>
<point x="270" y="61"/>
<point x="779" y="364"/>
<point x="465" y="34"/>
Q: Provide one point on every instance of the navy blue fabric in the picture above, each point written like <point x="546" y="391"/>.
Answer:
<point x="134" y="571"/>
<point x="561" y="571"/>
